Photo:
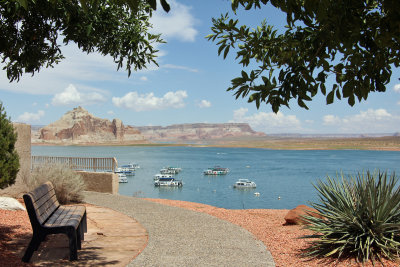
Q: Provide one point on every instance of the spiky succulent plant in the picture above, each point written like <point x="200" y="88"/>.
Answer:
<point x="361" y="217"/>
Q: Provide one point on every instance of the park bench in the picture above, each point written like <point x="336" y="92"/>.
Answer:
<point x="47" y="216"/>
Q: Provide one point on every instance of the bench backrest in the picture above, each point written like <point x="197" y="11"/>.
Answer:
<point x="41" y="203"/>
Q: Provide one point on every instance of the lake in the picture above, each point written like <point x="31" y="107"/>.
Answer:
<point x="284" y="178"/>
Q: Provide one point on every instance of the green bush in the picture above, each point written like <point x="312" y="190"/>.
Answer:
<point x="361" y="218"/>
<point x="68" y="184"/>
<point x="9" y="160"/>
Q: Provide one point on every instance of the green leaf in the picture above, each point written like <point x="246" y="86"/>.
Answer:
<point x="330" y="97"/>
<point x="153" y="4"/>
<point x="23" y="3"/>
<point x="338" y="94"/>
<point x="323" y="88"/>
<point x="226" y="51"/>
<point x="220" y="49"/>
<point x="165" y="5"/>
<point x="245" y="76"/>
<point x="348" y="89"/>
<point x="351" y="100"/>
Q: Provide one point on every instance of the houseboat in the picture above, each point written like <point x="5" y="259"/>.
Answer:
<point x="216" y="171"/>
<point x="169" y="181"/>
<point x="122" y="178"/>
<point x="244" y="183"/>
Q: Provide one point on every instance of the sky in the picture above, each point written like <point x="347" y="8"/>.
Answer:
<point x="189" y="86"/>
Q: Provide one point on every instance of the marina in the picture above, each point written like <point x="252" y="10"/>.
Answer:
<point x="284" y="178"/>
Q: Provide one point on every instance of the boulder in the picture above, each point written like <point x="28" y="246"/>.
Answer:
<point x="9" y="203"/>
<point x="294" y="216"/>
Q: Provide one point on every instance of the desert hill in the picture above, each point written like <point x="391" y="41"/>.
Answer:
<point x="197" y="131"/>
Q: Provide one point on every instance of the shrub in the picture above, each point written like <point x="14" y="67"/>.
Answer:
<point x="361" y="218"/>
<point x="9" y="160"/>
<point x="68" y="184"/>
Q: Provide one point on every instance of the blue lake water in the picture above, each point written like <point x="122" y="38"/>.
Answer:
<point x="288" y="174"/>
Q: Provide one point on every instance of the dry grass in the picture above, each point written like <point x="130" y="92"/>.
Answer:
<point x="68" y="184"/>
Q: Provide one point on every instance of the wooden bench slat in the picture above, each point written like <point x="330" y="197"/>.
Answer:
<point x="69" y="215"/>
<point x="47" y="208"/>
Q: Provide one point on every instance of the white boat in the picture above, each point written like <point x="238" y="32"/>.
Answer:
<point x="122" y="178"/>
<point x="244" y="183"/>
<point x="132" y="166"/>
<point x="169" y="181"/>
<point x="160" y="175"/>
<point x="127" y="169"/>
<point x="170" y="170"/>
<point x="216" y="171"/>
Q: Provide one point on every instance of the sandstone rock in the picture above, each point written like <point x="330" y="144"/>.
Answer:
<point x="197" y="131"/>
<point x="294" y="215"/>
<point x="9" y="203"/>
<point x="79" y="126"/>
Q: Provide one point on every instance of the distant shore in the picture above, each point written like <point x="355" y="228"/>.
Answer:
<point x="388" y="143"/>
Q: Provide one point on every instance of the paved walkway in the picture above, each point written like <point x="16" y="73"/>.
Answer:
<point x="128" y="231"/>
<point x="180" y="237"/>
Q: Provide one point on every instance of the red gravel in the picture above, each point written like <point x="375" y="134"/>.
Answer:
<point x="13" y="226"/>
<point x="266" y="225"/>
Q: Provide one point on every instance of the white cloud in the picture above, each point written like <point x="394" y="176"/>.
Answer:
<point x="177" y="67"/>
<point x="370" y="121"/>
<point x="330" y="120"/>
<point x="110" y="112"/>
<point x="29" y="117"/>
<point x="144" y="78"/>
<point x="204" y="104"/>
<point x="268" y="122"/>
<point x="396" y="88"/>
<point x="71" y="96"/>
<point x="178" y="23"/>
<point x="143" y="102"/>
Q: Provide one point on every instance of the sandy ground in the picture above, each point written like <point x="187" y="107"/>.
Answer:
<point x="266" y="225"/>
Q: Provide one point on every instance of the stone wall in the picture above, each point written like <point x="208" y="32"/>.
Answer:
<point x="103" y="182"/>
<point x="23" y="147"/>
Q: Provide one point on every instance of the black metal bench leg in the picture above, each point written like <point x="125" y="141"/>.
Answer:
<point x="84" y="222"/>
<point x="81" y="232"/>
<point x="73" y="244"/>
<point x="32" y="247"/>
<point x="79" y="237"/>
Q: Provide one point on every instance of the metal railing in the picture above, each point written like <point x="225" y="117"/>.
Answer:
<point x="82" y="164"/>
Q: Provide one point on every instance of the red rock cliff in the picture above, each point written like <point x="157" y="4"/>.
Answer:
<point x="79" y="126"/>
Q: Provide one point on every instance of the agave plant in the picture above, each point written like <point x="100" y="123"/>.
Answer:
<point x="361" y="218"/>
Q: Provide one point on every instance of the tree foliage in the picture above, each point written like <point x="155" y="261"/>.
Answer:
<point x="32" y="32"/>
<point x="354" y="43"/>
<point x="9" y="160"/>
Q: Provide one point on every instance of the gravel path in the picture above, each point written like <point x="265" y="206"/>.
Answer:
<point x="180" y="237"/>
